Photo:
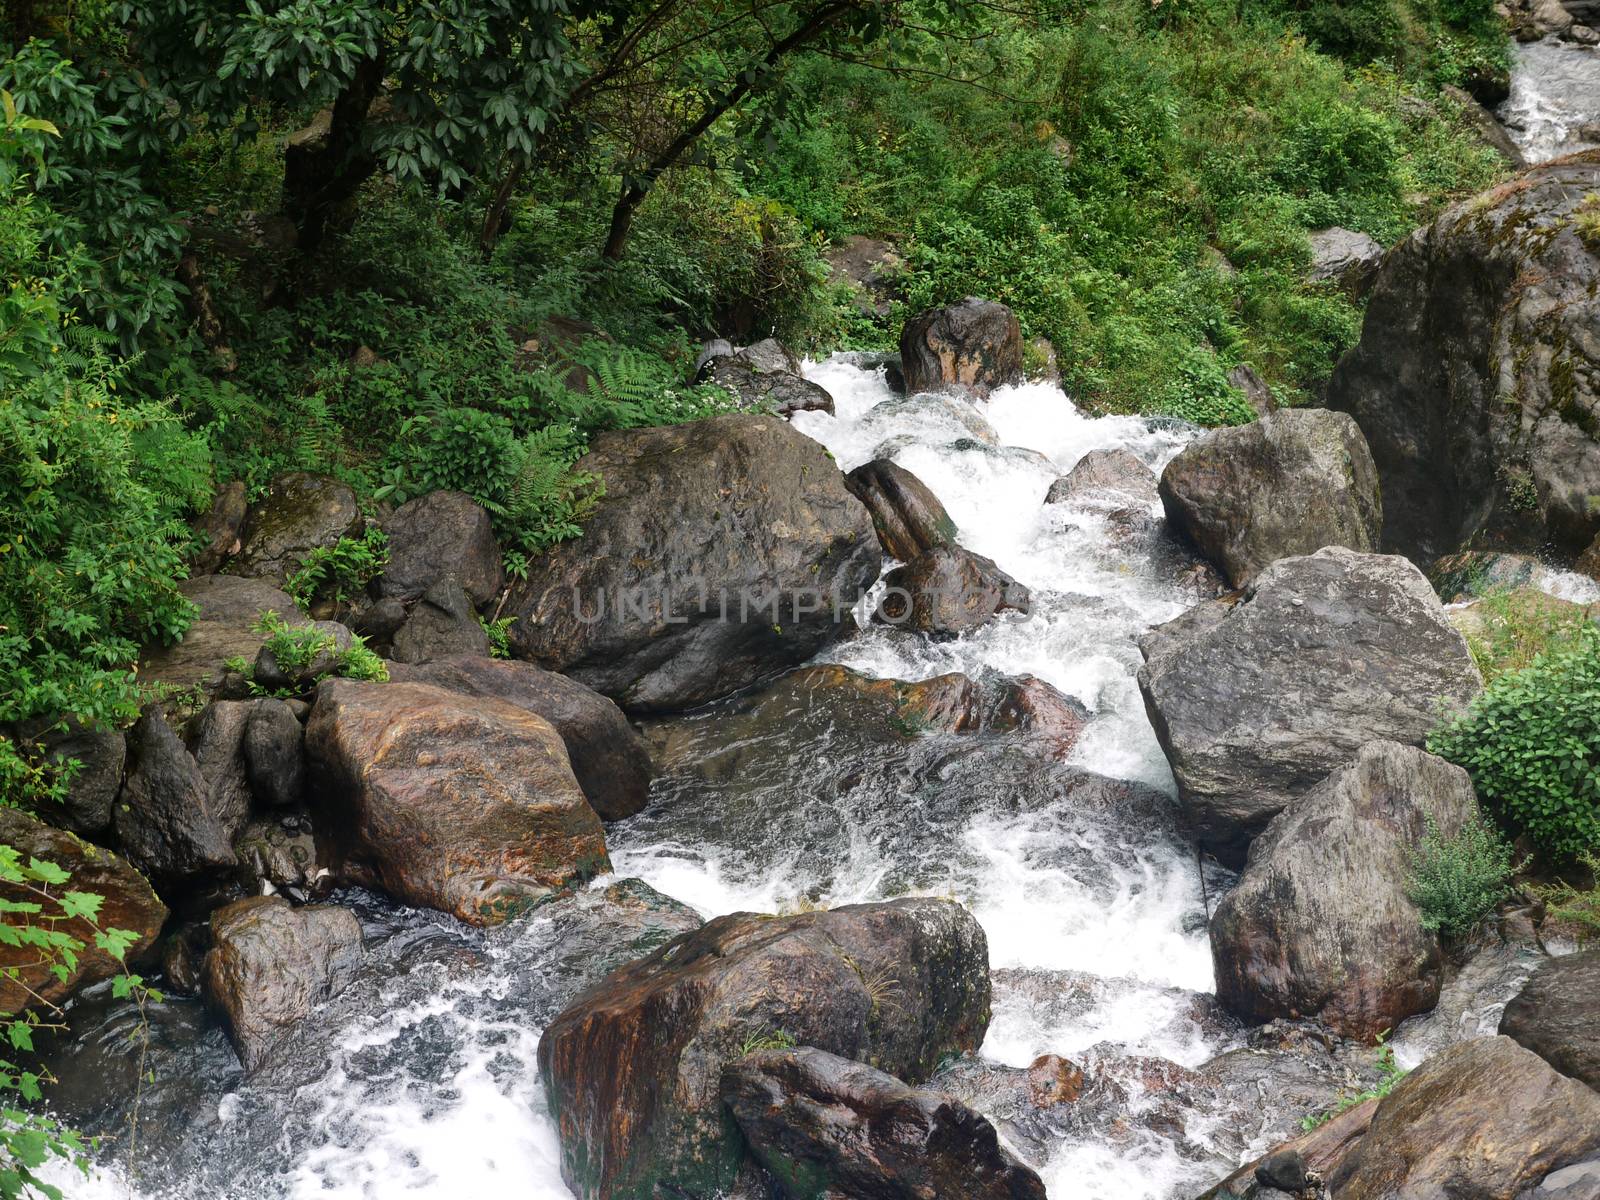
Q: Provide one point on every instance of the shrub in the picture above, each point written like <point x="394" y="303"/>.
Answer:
<point x="340" y="571"/>
<point x="298" y="648"/>
<point x="1457" y="881"/>
<point x="1512" y="627"/>
<point x="1531" y="743"/>
<point x="1575" y="907"/>
<point x="1390" y="1072"/>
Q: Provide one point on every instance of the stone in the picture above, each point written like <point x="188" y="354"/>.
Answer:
<point x="871" y="267"/>
<point x="1288" y="484"/>
<point x="1490" y="132"/>
<point x="128" y="902"/>
<point x="633" y="1067"/>
<point x="300" y="512"/>
<point x="271" y="964"/>
<point x="758" y="383"/>
<point x="285" y="854"/>
<point x="1257" y="394"/>
<point x="277" y="676"/>
<point x="164" y="821"/>
<point x="948" y="591"/>
<point x="227" y="609"/>
<point x="218" y="530"/>
<point x="1106" y="473"/>
<point x="443" y="624"/>
<point x="825" y="1126"/>
<point x="906" y="514"/>
<point x="723" y="551"/>
<point x="275" y="755"/>
<point x="1477" y="377"/>
<point x="1320" y="923"/>
<point x="1284" y="1170"/>
<point x="216" y="740"/>
<point x="99" y="751"/>
<point x="436" y="535"/>
<point x="463" y="804"/>
<point x="1256" y="700"/>
<point x="608" y="756"/>
<point x="1344" y="258"/>
<point x="975" y="345"/>
<point x="1557" y="1015"/>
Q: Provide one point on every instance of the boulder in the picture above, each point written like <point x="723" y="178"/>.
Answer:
<point x="440" y="534"/>
<point x="1344" y="258"/>
<point x="378" y="620"/>
<point x="1316" y="1152"/>
<point x="1557" y="1015"/>
<point x="227" y="608"/>
<point x="975" y="345"/>
<point x="300" y="512"/>
<point x="216" y="740"/>
<point x="607" y="754"/>
<point x="948" y="591"/>
<point x="1319" y="924"/>
<point x="1482" y="122"/>
<point x="1255" y="701"/>
<point x="905" y="512"/>
<point x="285" y="854"/>
<point x="268" y="672"/>
<point x="218" y="529"/>
<point x="1117" y="474"/>
<point x="128" y="902"/>
<point x="1257" y="394"/>
<point x="1290" y="483"/>
<point x="1473" y="574"/>
<point x="275" y="754"/>
<point x="1053" y="720"/>
<point x="464" y="804"/>
<point x="165" y="822"/>
<point x="760" y="379"/>
<point x="1589" y="561"/>
<point x="270" y="964"/>
<point x="825" y="1126"/>
<point x="723" y="551"/>
<point x="443" y="624"/>
<point x="1477" y="376"/>
<point x="633" y="1067"/>
<point x="1480" y="1120"/>
<point x="100" y="753"/>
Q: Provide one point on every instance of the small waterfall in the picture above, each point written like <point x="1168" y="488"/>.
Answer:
<point x="1554" y="106"/>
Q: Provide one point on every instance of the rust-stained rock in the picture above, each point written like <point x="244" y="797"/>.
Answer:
<point x="975" y="345"/>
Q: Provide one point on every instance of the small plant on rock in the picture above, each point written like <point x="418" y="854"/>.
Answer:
<point x="1457" y="881"/>
<point x="1390" y="1072"/>
<point x="340" y="571"/>
<point x="308" y="655"/>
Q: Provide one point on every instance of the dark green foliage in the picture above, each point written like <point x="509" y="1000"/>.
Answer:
<point x="1531" y="743"/>
<point x="340" y="571"/>
<point x="1458" y="881"/>
<point x="297" y="648"/>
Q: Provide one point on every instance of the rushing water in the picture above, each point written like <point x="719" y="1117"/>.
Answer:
<point x="1555" y="97"/>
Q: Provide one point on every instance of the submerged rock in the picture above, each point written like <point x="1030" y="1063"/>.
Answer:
<point x="976" y="345"/>
<point x="1557" y="1016"/>
<point x="1255" y="702"/>
<point x="1290" y="483"/>
<point x="723" y="550"/>
<point x="633" y="1067"/>
<point x="1475" y="379"/>
<point x="467" y="805"/>
<point x="825" y="1126"/>
<point x="1320" y="923"/>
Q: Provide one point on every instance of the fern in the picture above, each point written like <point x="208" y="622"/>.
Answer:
<point x="547" y="499"/>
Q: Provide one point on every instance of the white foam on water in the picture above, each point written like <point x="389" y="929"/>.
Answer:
<point x="1555" y="93"/>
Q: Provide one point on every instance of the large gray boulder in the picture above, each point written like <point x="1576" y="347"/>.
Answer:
<point x="1557" y="1015"/>
<point x="947" y="591"/>
<point x="168" y="822"/>
<point x="825" y="1126"/>
<point x="975" y="345"/>
<point x="300" y="513"/>
<point x="1319" y="924"/>
<point x="1477" y="376"/>
<point x="1345" y="258"/>
<point x="1290" y="483"/>
<point x="227" y="609"/>
<point x="440" y="534"/>
<point x="633" y="1067"/>
<point x="443" y="624"/>
<point x="766" y="376"/>
<point x="99" y="752"/>
<point x="723" y="551"/>
<point x="1255" y="702"/>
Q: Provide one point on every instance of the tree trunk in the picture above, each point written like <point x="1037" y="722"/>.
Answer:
<point x="327" y="162"/>
<point x="494" y="217"/>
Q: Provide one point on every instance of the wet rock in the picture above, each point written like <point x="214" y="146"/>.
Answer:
<point x="948" y="591"/>
<point x="1347" y="259"/>
<point x="1054" y="720"/>
<point x="216" y="740"/>
<point x="100" y="753"/>
<point x="277" y="676"/>
<point x="218" y="530"/>
<point x="274" y="754"/>
<point x="1482" y="1119"/>
<point x="1256" y="701"/>
<point x="128" y="903"/>
<point x="1284" y="1170"/>
<point x="953" y="415"/>
<point x="1589" y="561"/>
<point x="1476" y="573"/>
<point x="183" y="958"/>
<point x="228" y="608"/>
<point x="906" y="514"/>
<point x="668" y="599"/>
<point x="443" y="624"/>
<point x="632" y="1068"/>
<point x="1288" y="484"/>
<point x="1557" y="1016"/>
<point x="1483" y="123"/>
<point x="871" y="267"/>
<point x="1255" y="390"/>
<point x="300" y="512"/>
<point x="164" y="821"/>
<point x="378" y="620"/>
<point x="285" y="854"/>
<point x="270" y="964"/>
<point x="1119" y="473"/>
<point x="608" y="756"/>
<point x="975" y="345"/>
<point x="1319" y="924"/>
<point x="1475" y="376"/>
<point x="827" y="1126"/>
<point x="766" y="376"/>
<point x="1318" y="1151"/>
<point x="464" y="804"/>
<point x="440" y="534"/>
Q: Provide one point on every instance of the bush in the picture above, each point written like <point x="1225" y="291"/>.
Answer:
<point x="1531" y="743"/>
<point x="1576" y="907"/>
<point x="1458" y="881"/>
<point x="340" y="571"/>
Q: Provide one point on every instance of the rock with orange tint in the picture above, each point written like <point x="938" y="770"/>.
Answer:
<point x="633" y="1067"/>
<point x="975" y="345"/>
<point x="461" y="803"/>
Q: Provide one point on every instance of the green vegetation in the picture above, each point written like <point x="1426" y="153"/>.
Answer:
<point x="340" y="571"/>
<point x="1512" y="627"/>
<point x="1457" y="881"/>
<point x="1577" y="908"/>
<point x="1390" y="1072"/>
<point x="498" y="631"/>
<point x="306" y="655"/>
<point x="1531" y="743"/>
